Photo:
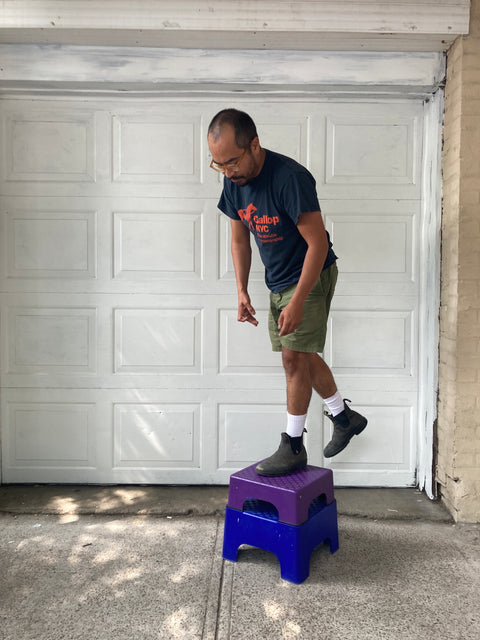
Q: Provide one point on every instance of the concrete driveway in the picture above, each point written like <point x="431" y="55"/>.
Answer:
<point x="131" y="563"/>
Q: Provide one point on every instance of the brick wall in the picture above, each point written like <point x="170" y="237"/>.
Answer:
<point x="458" y="463"/>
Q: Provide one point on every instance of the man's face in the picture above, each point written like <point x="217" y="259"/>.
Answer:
<point x="240" y="165"/>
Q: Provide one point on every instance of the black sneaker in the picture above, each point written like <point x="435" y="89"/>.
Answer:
<point x="284" y="460"/>
<point x="352" y="424"/>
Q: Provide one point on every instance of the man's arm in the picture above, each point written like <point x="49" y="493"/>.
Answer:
<point x="242" y="260"/>
<point x="312" y="229"/>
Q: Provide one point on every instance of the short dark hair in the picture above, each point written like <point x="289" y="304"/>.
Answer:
<point x="242" y="123"/>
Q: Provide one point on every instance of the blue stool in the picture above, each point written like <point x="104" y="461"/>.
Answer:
<point x="258" y="526"/>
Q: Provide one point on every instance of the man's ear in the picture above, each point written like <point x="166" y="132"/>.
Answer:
<point x="255" y="145"/>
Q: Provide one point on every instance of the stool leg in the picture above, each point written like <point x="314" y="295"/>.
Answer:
<point x="294" y="563"/>
<point x="231" y="536"/>
<point x="230" y="550"/>
<point x="331" y="525"/>
<point x="333" y="538"/>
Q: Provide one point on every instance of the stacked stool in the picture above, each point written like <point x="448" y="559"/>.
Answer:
<point x="286" y="515"/>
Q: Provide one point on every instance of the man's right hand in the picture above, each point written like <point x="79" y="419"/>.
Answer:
<point x="246" y="313"/>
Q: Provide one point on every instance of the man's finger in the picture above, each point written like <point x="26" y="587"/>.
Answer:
<point x="284" y="331"/>
<point x="248" y="317"/>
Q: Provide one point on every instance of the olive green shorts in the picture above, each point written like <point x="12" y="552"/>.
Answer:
<point x="310" y="336"/>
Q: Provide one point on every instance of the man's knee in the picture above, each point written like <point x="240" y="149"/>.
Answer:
<point x="294" y="361"/>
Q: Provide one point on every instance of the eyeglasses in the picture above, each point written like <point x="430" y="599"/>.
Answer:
<point x="227" y="166"/>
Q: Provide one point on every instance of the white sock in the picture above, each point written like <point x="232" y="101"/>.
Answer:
<point x="335" y="404"/>
<point x="295" y="425"/>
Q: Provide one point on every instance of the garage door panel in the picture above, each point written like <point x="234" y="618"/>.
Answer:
<point x="157" y="435"/>
<point x="58" y="147"/>
<point x="246" y="349"/>
<point x="158" y="340"/>
<point x="371" y="342"/>
<point x="51" y="340"/>
<point x="119" y="301"/>
<point x="50" y="435"/>
<point x="159" y="151"/>
<point x="168" y="245"/>
<point x="162" y="148"/>
<point x="160" y="245"/>
<point x="372" y="151"/>
<point x="376" y="243"/>
<point x="51" y="244"/>
<point x="374" y="246"/>
<point x="288" y="135"/>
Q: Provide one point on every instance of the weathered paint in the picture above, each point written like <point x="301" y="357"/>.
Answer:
<point x="145" y="68"/>
<point x="429" y="291"/>
<point x="320" y="25"/>
<point x="407" y="16"/>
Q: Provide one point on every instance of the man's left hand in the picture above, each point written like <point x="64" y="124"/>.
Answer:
<point x="290" y="319"/>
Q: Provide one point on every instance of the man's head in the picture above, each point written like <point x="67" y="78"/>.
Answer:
<point x="235" y="147"/>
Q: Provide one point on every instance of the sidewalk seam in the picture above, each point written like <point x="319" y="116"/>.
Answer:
<point x="210" y="623"/>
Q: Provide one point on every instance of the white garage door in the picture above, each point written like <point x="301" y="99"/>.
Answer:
<point x="122" y="361"/>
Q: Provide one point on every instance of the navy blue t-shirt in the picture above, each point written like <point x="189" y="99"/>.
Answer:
<point x="270" y="206"/>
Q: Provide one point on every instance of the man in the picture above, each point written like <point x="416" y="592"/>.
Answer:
<point x="274" y="198"/>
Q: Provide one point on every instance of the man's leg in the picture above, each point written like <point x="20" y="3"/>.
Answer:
<point x="347" y="423"/>
<point x="291" y="454"/>
<point x="305" y="370"/>
<point x="321" y="376"/>
<point x="324" y="384"/>
<point x="299" y="382"/>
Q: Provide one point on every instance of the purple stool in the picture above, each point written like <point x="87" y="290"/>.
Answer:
<point x="258" y="526"/>
<point x="291" y="495"/>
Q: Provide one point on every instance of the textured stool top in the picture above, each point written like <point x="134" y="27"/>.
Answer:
<point x="291" y="494"/>
<point x="294" y="482"/>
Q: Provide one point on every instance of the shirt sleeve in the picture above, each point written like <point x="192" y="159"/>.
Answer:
<point x="300" y="195"/>
<point x="225" y="204"/>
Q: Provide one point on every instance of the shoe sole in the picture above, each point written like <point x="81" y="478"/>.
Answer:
<point x="276" y="474"/>
<point x="357" y="432"/>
